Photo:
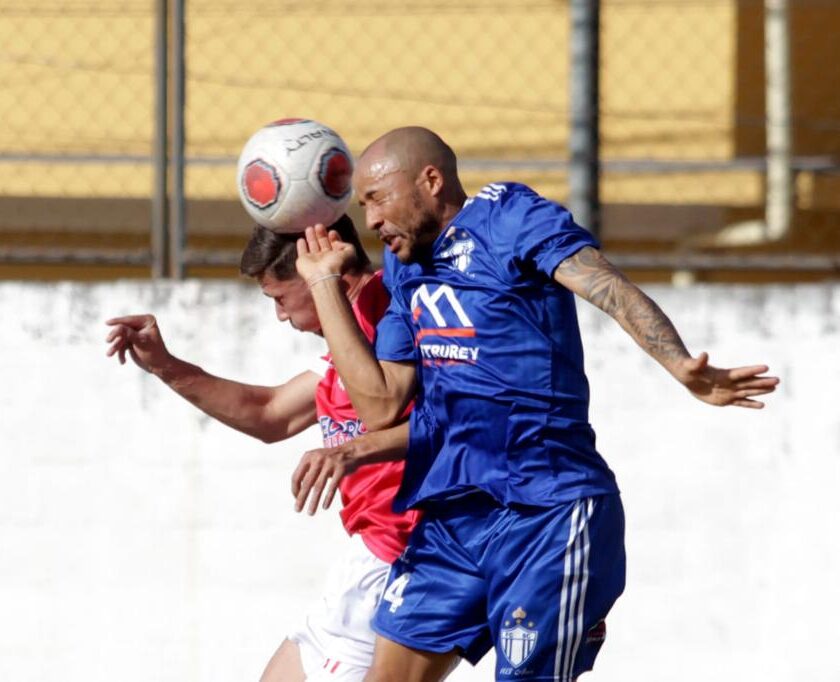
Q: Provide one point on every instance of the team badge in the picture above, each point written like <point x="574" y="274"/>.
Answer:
<point x="518" y="641"/>
<point x="458" y="248"/>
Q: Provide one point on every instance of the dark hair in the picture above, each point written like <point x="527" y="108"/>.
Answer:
<point x="275" y="253"/>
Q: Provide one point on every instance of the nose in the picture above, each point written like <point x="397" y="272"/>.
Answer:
<point x="373" y="220"/>
<point x="281" y="313"/>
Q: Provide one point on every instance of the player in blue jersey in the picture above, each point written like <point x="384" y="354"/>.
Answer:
<point x="521" y="547"/>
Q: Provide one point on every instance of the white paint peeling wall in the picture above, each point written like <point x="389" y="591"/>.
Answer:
<point x="140" y="540"/>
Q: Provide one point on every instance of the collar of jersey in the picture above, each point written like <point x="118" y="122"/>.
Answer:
<point x="439" y="239"/>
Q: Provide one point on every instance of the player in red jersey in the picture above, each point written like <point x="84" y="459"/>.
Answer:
<point x="336" y="641"/>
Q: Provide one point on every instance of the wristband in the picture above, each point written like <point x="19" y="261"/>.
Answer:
<point x="315" y="281"/>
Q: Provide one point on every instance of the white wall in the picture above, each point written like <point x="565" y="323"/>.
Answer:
<point x="141" y="541"/>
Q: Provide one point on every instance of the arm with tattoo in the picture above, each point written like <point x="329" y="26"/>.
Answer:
<point x="591" y="276"/>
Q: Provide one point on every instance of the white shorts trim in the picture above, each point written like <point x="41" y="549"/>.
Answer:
<point x="336" y="640"/>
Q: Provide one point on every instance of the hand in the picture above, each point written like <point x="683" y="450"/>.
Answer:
<point x="321" y="253"/>
<point x="139" y="336"/>
<point x="319" y="473"/>
<point x="724" y="387"/>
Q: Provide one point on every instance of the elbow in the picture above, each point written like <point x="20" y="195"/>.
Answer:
<point x="271" y="433"/>
<point x="269" y="438"/>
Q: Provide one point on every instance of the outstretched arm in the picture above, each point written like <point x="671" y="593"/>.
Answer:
<point x="379" y="390"/>
<point x="270" y="413"/>
<point x="590" y="275"/>
<point x="320" y="471"/>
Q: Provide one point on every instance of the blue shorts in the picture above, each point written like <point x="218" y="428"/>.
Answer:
<point x="535" y="583"/>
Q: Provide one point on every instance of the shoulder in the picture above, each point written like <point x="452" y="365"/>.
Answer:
<point x="509" y="202"/>
<point x="502" y="195"/>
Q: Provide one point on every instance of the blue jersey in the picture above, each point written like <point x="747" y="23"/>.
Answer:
<point x="503" y="401"/>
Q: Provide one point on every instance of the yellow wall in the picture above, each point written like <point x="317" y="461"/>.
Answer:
<point x="679" y="80"/>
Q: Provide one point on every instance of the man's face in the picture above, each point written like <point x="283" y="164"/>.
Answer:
<point x="396" y="207"/>
<point x="292" y="302"/>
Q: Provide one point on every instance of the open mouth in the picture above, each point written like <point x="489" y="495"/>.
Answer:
<point x="392" y="241"/>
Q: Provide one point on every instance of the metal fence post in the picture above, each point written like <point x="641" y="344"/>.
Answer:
<point x="177" y="213"/>
<point x="159" y="235"/>
<point x="584" y="199"/>
<point x="779" y="207"/>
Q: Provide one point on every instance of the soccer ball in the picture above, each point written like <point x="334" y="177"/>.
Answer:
<point x="294" y="173"/>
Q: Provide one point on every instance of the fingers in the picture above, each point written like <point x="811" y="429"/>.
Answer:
<point x="114" y="348"/>
<point x="133" y="321"/>
<point x="120" y="330"/>
<point x="330" y="494"/>
<point x="134" y="355"/>
<point x="129" y="331"/>
<point x="748" y="393"/>
<point x="299" y="474"/>
<point x="119" y="338"/>
<point x="122" y="339"/>
<point x="751" y="404"/>
<point x="302" y="493"/>
<point x="315" y="477"/>
<point x="311" y="240"/>
<point x="315" y="492"/>
<point x="767" y="384"/>
<point x="316" y="240"/>
<point x="739" y="373"/>
<point x="323" y="238"/>
<point x="699" y="363"/>
<point x="308" y="482"/>
<point x="311" y="488"/>
<point x="689" y="367"/>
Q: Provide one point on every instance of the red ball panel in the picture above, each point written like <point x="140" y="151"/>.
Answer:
<point x="260" y="183"/>
<point x="336" y="173"/>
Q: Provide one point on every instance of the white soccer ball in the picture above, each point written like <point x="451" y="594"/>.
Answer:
<point x="294" y="173"/>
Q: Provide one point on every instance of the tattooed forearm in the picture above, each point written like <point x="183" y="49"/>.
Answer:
<point x="651" y="328"/>
<point x="594" y="278"/>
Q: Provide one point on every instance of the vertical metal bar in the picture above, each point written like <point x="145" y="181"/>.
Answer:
<point x="584" y="134"/>
<point x="779" y="199"/>
<point x="177" y="212"/>
<point x="159" y="224"/>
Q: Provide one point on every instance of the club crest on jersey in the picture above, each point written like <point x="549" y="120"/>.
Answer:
<point x="458" y="248"/>
<point x="518" y="641"/>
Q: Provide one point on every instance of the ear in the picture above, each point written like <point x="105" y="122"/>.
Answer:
<point x="432" y="179"/>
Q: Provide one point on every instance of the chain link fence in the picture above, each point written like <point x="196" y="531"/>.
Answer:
<point x="682" y="110"/>
<point x="76" y="104"/>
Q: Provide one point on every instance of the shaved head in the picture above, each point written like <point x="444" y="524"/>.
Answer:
<point x="411" y="149"/>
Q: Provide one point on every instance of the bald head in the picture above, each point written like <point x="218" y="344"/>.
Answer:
<point x="411" y="149"/>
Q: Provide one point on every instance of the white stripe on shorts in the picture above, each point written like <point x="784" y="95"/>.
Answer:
<point x="573" y="592"/>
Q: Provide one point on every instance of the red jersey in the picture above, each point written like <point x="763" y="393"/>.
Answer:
<point x="368" y="492"/>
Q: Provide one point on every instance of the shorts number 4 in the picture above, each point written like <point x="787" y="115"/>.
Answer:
<point x="394" y="594"/>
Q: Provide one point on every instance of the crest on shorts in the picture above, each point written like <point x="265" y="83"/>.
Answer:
<point x="518" y="641"/>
